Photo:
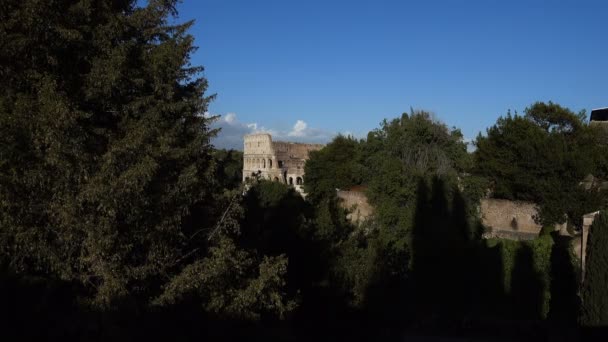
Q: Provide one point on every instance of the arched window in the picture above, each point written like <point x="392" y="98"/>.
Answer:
<point x="280" y="164"/>
<point x="290" y="180"/>
<point x="270" y="163"/>
<point x="263" y="163"/>
<point x="299" y="181"/>
<point x="276" y="179"/>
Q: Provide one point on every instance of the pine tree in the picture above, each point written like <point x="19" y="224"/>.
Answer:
<point x="105" y="157"/>
<point x="595" y="285"/>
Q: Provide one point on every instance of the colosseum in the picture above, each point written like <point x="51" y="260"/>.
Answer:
<point x="275" y="160"/>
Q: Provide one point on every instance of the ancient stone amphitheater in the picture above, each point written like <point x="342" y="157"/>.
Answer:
<point x="275" y="160"/>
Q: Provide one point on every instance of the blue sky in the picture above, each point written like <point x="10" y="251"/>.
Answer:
<point x="307" y="70"/>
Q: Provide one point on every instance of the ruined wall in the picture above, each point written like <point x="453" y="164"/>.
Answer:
<point x="279" y="161"/>
<point x="356" y="202"/>
<point x="511" y="219"/>
<point x="258" y="157"/>
<point x="292" y="158"/>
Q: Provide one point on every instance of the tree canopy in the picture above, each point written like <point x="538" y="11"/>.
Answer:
<point x="543" y="157"/>
<point x="107" y="174"/>
<point x="114" y="201"/>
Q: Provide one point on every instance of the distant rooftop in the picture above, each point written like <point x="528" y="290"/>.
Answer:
<point x="599" y="114"/>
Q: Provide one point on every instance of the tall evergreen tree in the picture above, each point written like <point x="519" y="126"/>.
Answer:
<point x="105" y="157"/>
<point x="594" y="291"/>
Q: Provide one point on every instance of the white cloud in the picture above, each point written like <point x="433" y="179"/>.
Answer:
<point x="232" y="131"/>
<point x="299" y="129"/>
<point x="230" y="118"/>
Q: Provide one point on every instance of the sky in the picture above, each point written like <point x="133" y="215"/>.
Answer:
<point x="308" y="70"/>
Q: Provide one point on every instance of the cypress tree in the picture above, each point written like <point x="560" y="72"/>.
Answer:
<point x="105" y="157"/>
<point x="595" y="285"/>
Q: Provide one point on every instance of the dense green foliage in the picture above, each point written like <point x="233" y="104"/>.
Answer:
<point x="527" y="274"/>
<point x="228" y="168"/>
<point x="543" y="157"/>
<point x="108" y="181"/>
<point x="421" y="260"/>
<point x="594" y="290"/>
<point x="115" y="208"/>
<point x="334" y="167"/>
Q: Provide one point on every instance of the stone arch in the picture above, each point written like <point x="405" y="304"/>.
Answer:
<point x="280" y="163"/>
<point x="276" y="179"/>
<point x="270" y="163"/>
<point x="285" y="177"/>
<point x="299" y="181"/>
<point x="290" y="180"/>
<point x="263" y="163"/>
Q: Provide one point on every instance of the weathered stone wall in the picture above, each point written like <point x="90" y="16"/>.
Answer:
<point x="511" y="219"/>
<point x="258" y="157"/>
<point x="355" y="201"/>
<point x="279" y="161"/>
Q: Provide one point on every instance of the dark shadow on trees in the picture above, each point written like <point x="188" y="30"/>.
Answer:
<point x="565" y="302"/>
<point x="458" y="279"/>
<point x="526" y="287"/>
<point x="279" y="221"/>
<point x="388" y="305"/>
<point x="454" y="285"/>
<point x="37" y="308"/>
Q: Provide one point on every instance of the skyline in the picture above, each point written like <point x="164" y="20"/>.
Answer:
<point x="305" y="71"/>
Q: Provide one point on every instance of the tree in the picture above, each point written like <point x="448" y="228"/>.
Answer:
<point x="229" y="169"/>
<point x="106" y="168"/>
<point x="402" y="152"/>
<point x="543" y="157"/>
<point x="552" y="117"/>
<point x="334" y="166"/>
<point x="594" y="292"/>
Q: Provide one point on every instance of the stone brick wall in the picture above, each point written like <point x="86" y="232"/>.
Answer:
<point x="355" y="201"/>
<point x="511" y="219"/>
